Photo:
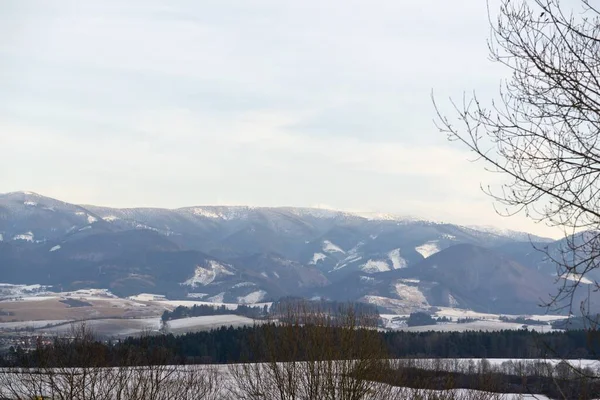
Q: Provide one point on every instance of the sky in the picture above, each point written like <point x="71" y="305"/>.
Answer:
<point x="263" y="103"/>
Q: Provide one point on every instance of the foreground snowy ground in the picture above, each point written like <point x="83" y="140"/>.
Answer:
<point x="216" y="382"/>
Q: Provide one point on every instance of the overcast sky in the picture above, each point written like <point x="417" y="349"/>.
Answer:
<point x="272" y="102"/>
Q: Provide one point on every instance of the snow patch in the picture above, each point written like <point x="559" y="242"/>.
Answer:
<point x="316" y="258"/>
<point x="577" y="278"/>
<point x="374" y="266"/>
<point x="12" y="291"/>
<point x="144" y="226"/>
<point x="91" y="219"/>
<point x="329" y="247"/>
<point x="456" y="313"/>
<point x="243" y="284"/>
<point x="191" y="303"/>
<point x="30" y="203"/>
<point x="397" y="261"/>
<point x="110" y="218"/>
<point x="201" y="212"/>
<point x="410" y="294"/>
<point x="409" y="280"/>
<point x="24" y="236"/>
<point x="395" y="305"/>
<point x="217" y="298"/>
<point x="351" y="258"/>
<point x="209" y="322"/>
<point x="23" y="325"/>
<point x="366" y="279"/>
<point x="393" y="321"/>
<point x="276" y="274"/>
<point x="197" y="295"/>
<point x="224" y="213"/>
<point x="57" y="247"/>
<point x="452" y="301"/>
<point x="377" y="216"/>
<point x="428" y="249"/>
<point x="206" y="275"/>
<point x="90" y="293"/>
<point x="1" y="238"/>
<point x="254" y="297"/>
<point x="347" y="261"/>
<point x="85" y="228"/>
<point x="147" y="297"/>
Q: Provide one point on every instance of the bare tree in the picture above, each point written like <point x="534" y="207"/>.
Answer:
<point x="542" y="132"/>
<point x="315" y="353"/>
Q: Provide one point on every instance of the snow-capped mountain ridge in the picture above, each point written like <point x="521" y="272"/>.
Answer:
<point x="236" y="253"/>
<point x="242" y="211"/>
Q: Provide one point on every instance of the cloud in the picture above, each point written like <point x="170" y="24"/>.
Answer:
<point x="271" y="103"/>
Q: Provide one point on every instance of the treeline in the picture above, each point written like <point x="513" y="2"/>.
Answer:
<point x="300" y="310"/>
<point x="589" y="322"/>
<point x="522" y="320"/>
<point x="226" y="345"/>
<point x="284" y="309"/>
<point x="501" y="344"/>
<point x="230" y="345"/>
<point x="424" y="319"/>
<point x="204" y="310"/>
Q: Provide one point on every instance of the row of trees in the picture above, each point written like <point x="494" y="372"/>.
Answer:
<point x="250" y="344"/>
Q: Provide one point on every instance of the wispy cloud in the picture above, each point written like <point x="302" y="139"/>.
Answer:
<point x="261" y="103"/>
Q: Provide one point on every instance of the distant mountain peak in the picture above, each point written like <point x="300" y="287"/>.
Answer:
<point x="21" y="193"/>
<point x="236" y="252"/>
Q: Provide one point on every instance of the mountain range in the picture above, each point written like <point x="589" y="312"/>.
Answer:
<point x="252" y="254"/>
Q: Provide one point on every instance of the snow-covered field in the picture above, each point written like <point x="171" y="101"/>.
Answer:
<point x="29" y="307"/>
<point x="10" y="291"/>
<point x="20" y="325"/>
<point x="35" y="306"/>
<point x="456" y="313"/>
<point x="224" y="385"/>
<point x="122" y="327"/>
<point x="147" y="297"/>
<point x="484" y="322"/>
<point x="110" y="327"/>
<point x="485" y="326"/>
<point x="466" y="364"/>
<point x="204" y="323"/>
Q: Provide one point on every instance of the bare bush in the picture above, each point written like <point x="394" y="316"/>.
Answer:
<point x="75" y="367"/>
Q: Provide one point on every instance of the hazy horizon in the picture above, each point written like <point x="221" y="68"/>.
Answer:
<point x="363" y="213"/>
<point x="138" y="104"/>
